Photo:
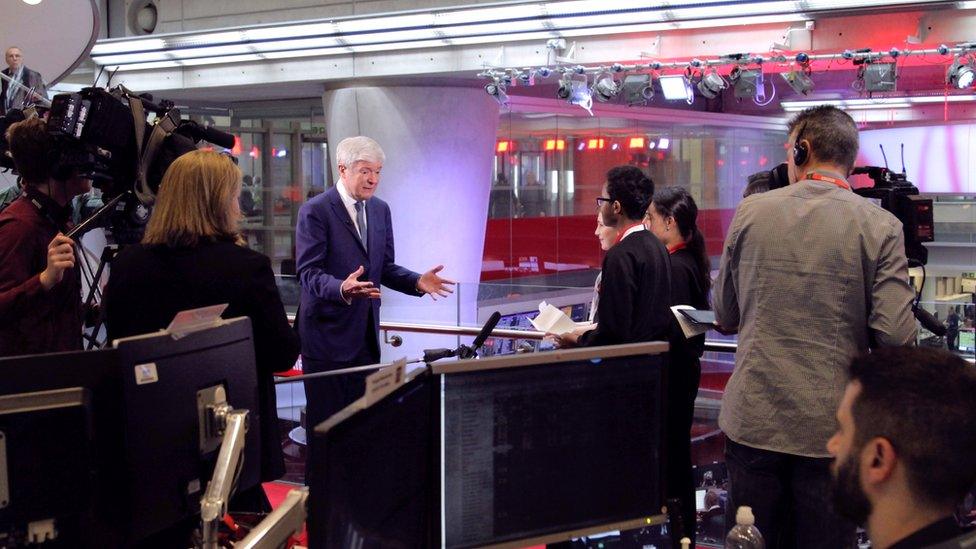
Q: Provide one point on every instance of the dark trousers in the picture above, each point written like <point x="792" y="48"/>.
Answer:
<point x="684" y="374"/>
<point x="789" y="496"/>
<point x="327" y="395"/>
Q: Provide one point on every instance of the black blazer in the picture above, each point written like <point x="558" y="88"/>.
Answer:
<point x="635" y="293"/>
<point x="148" y="285"/>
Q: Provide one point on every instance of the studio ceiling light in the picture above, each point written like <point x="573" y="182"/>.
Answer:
<point x="799" y="80"/>
<point x="711" y="85"/>
<point x="962" y="72"/>
<point x="879" y="77"/>
<point x="676" y="87"/>
<point x="637" y="89"/>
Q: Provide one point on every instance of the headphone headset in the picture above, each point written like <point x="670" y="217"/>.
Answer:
<point x="801" y="152"/>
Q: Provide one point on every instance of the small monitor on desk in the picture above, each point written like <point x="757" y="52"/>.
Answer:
<point x="967" y="341"/>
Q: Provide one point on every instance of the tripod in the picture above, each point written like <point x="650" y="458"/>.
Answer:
<point x="108" y="254"/>
<point x="93" y="276"/>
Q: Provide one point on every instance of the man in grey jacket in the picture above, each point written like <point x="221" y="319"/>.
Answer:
<point x="31" y="85"/>
<point x="811" y="275"/>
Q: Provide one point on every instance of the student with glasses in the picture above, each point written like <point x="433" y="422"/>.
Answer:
<point x="635" y="291"/>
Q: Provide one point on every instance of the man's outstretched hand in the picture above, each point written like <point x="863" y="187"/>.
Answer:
<point x="353" y="288"/>
<point x="431" y="283"/>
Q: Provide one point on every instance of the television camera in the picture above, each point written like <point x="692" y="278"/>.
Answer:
<point x="123" y="142"/>
<point x="895" y="193"/>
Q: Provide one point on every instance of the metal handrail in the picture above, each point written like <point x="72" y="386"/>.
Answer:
<point x="504" y="333"/>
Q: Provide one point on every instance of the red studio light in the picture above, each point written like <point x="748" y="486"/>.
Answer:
<point x="763" y="161"/>
<point x="236" y="149"/>
<point x="255" y="152"/>
<point x="504" y="147"/>
<point x="555" y="145"/>
<point x="593" y="144"/>
<point x="636" y="143"/>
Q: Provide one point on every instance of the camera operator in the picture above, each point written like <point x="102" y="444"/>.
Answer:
<point x="40" y="290"/>
<point x="811" y="275"/>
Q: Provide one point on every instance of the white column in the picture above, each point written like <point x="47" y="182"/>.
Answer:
<point x="439" y="144"/>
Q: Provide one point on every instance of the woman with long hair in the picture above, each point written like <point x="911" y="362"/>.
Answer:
<point x="192" y="255"/>
<point x="672" y="217"/>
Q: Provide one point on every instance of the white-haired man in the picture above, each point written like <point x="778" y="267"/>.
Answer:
<point x="344" y="241"/>
<point x="27" y="80"/>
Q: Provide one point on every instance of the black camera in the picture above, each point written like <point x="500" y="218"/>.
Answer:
<point x="893" y="192"/>
<point x="124" y="143"/>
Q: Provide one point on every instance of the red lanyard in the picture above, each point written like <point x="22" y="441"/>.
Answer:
<point x="623" y="233"/>
<point x="676" y="247"/>
<point x="827" y="179"/>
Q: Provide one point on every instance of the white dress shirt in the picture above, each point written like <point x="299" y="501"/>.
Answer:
<point x="350" y="203"/>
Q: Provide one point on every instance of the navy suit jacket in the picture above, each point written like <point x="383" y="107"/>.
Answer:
<point x="328" y="250"/>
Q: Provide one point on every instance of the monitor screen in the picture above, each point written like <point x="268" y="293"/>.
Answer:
<point x="166" y="384"/>
<point x="60" y="446"/>
<point x="967" y="341"/>
<point x="700" y="499"/>
<point x="371" y="475"/>
<point x="546" y="449"/>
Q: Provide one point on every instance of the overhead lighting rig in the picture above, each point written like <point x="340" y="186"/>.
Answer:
<point x="877" y="72"/>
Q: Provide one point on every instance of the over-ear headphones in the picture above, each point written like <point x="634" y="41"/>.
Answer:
<point x="801" y="152"/>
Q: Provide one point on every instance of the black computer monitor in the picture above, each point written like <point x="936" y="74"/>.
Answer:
<point x="532" y="448"/>
<point x="372" y="474"/>
<point x="60" y="446"/>
<point x="166" y="382"/>
<point x="547" y="447"/>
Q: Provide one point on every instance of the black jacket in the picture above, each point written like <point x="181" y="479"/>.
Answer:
<point x="150" y="284"/>
<point x="686" y="289"/>
<point x="635" y="293"/>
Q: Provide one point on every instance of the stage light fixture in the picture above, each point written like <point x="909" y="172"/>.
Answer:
<point x="637" y="89"/>
<point x="565" y="87"/>
<point x="799" y="80"/>
<point x="747" y="84"/>
<point x="962" y="72"/>
<point x="880" y="77"/>
<point x="711" y="85"/>
<point x="605" y="88"/>
<point x="496" y="89"/>
<point x="677" y="87"/>
<point x="581" y="95"/>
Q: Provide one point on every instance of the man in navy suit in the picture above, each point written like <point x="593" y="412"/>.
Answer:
<point x="344" y="241"/>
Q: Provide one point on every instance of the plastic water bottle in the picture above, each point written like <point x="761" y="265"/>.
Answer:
<point x="745" y="535"/>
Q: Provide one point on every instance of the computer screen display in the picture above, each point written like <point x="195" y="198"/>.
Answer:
<point x="967" y="341"/>
<point x="372" y="475"/>
<point x="700" y="499"/>
<point x="537" y="450"/>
